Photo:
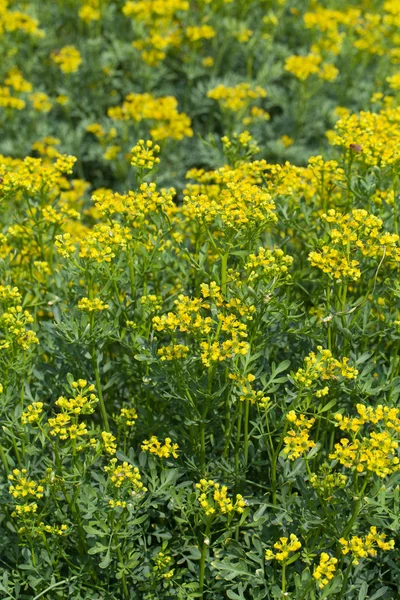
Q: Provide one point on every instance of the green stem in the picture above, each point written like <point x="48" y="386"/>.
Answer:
<point x="203" y="557"/>
<point x="4" y="458"/>
<point x="346" y="577"/>
<point x="124" y="585"/>
<point x="308" y="588"/>
<point x="99" y="391"/>
<point x="356" y="509"/>
<point x="246" y="435"/>
<point x="224" y="270"/>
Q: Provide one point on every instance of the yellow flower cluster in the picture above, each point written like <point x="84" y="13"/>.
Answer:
<point x="363" y="547"/>
<point x="284" y="547"/>
<point x="326" y="483"/>
<point x="268" y="264"/>
<point x="350" y="233"/>
<point x="240" y="206"/>
<point x="247" y="393"/>
<point x="7" y="100"/>
<point x="188" y="318"/>
<point x="136" y="207"/>
<point x="325" y="571"/>
<point x="120" y="474"/>
<point x="102" y="243"/>
<point x="331" y="27"/>
<point x="68" y="59"/>
<point x="161" y="562"/>
<point x="303" y="67"/>
<point x="95" y="305"/>
<point x="109" y="442"/>
<point x="32" y="413"/>
<point x="21" y="510"/>
<point x="377" y="135"/>
<point x="169" y="123"/>
<point x="375" y="452"/>
<point x="152" y="303"/>
<point x="388" y="416"/>
<point x="14" y="322"/>
<point x="297" y="441"/>
<point x="117" y="504"/>
<point x="154" y="446"/>
<point x="62" y="427"/>
<point x="322" y="366"/>
<point x="35" y="175"/>
<point x="90" y="11"/>
<point x="162" y="26"/>
<point x="23" y="486"/>
<point x="83" y="400"/>
<point x="144" y="155"/>
<point x="214" y="499"/>
<point x="15" y="20"/>
<point x="41" y="102"/>
<point x="9" y="295"/>
<point x="394" y="81"/>
<point x="128" y="416"/>
<point x="173" y="352"/>
<point x="238" y="97"/>
<point x="200" y="32"/>
<point x="47" y="146"/>
<point x="35" y="528"/>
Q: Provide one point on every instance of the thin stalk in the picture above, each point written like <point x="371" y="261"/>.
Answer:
<point x="124" y="585"/>
<point x="237" y="447"/>
<point x="346" y="577"/>
<point x="203" y="557"/>
<point x="246" y="435"/>
<point x="99" y="391"/>
<point x="356" y="509"/>
<point x="224" y="271"/>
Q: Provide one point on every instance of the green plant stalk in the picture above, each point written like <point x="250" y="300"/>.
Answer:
<point x="229" y="429"/>
<point x="307" y="589"/>
<point x="237" y="446"/>
<point x="345" y="580"/>
<point x="99" y="391"/>
<point x="224" y="271"/>
<point x="123" y="578"/>
<point x="4" y="458"/>
<point x="283" y="579"/>
<point x="356" y="508"/>
<point x="203" y="557"/>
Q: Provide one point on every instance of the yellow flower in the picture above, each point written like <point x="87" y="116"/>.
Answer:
<point x="95" y="305"/>
<point x="23" y="486"/>
<point x="364" y="547"/>
<point x="284" y="547"/>
<point x="143" y="155"/>
<point x="154" y="446"/>
<point x="324" y="572"/>
<point x="213" y="499"/>
<point x="297" y="441"/>
<point x="123" y="473"/>
<point x="32" y="413"/>
<point x="237" y="97"/>
<point x="68" y="59"/>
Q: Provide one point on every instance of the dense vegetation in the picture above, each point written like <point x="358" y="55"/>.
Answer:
<point x="199" y="299"/>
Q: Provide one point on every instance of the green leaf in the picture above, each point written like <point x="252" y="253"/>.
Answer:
<point x="381" y="592"/>
<point x="362" y="594"/>
<point x="93" y="531"/>
<point x="106" y="561"/>
<point x="327" y="406"/>
<point x="259" y="513"/>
